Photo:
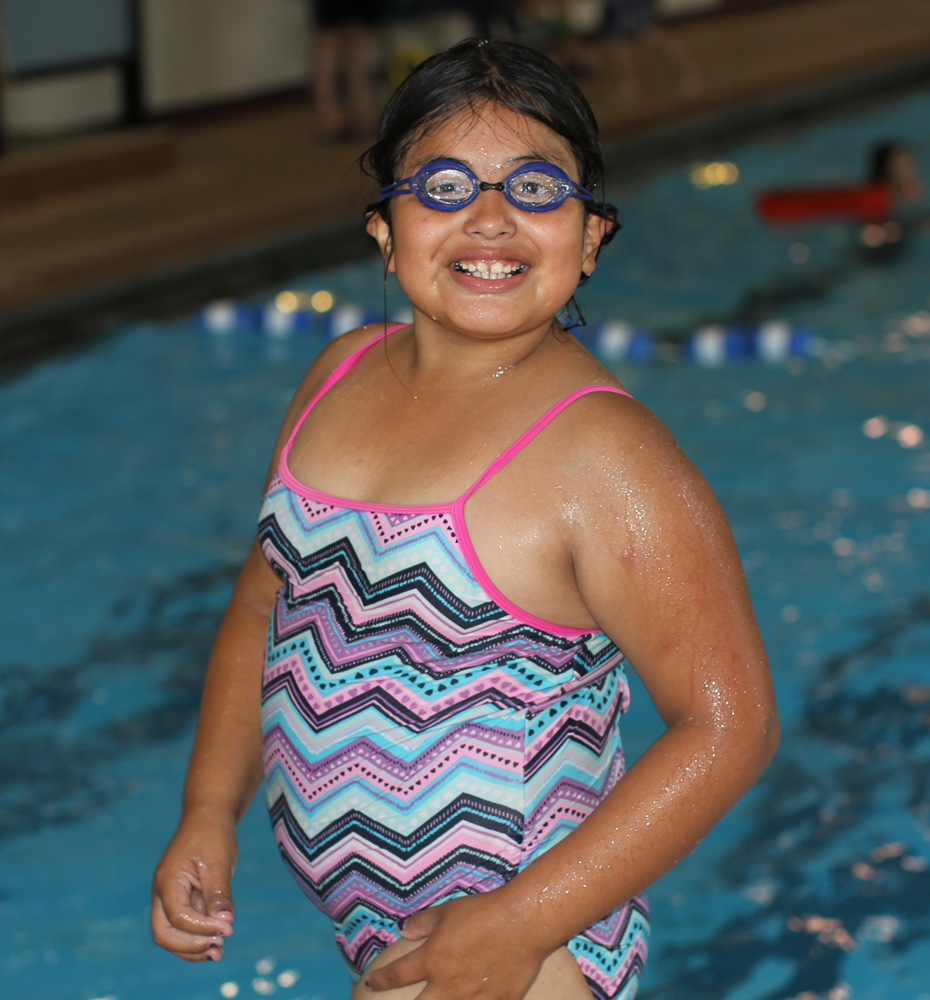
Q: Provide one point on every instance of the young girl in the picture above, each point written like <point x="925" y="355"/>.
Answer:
<point x="466" y="520"/>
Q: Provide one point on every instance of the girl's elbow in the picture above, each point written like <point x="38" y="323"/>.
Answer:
<point x="756" y="741"/>
<point x="771" y="737"/>
<point x="760" y="742"/>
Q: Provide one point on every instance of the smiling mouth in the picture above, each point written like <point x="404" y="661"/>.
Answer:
<point x="489" y="272"/>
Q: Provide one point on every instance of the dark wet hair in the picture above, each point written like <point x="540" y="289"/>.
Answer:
<point x="474" y="73"/>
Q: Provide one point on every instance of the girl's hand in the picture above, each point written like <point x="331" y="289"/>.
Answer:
<point x="473" y="950"/>
<point x="192" y="908"/>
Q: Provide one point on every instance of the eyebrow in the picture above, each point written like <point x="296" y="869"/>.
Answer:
<point x="514" y="161"/>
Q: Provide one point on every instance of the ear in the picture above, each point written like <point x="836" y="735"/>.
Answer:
<point x="380" y="230"/>
<point x="596" y="230"/>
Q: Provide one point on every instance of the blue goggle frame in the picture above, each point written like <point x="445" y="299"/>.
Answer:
<point x="418" y="185"/>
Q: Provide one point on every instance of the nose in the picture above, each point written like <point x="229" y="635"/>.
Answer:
<point x="490" y="215"/>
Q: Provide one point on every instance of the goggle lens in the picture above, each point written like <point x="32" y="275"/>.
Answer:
<point x="446" y="186"/>
<point x="535" y="189"/>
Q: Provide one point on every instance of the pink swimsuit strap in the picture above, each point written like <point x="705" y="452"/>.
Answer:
<point x="524" y="439"/>
<point x="334" y="376"/>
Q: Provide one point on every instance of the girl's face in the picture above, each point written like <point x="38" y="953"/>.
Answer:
<point x="532" y="259"/>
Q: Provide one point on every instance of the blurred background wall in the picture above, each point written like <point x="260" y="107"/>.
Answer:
<point x="206" y="51"/>
<point x="76" y="65"/>
<point x="68" y="63"/>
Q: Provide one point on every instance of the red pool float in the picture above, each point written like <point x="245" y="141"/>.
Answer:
<point x="892" y="175"/>
<point x="858" y="203"/>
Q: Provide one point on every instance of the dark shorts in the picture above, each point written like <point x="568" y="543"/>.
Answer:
<point x="627" y="17"/>
<point x="334" y="13"/>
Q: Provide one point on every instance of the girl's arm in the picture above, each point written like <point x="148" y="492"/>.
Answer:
<point x="657" y="568"/>
<point x="192" y="909"/>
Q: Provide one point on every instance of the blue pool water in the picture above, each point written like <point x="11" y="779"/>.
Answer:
<point x="133" y="471"/>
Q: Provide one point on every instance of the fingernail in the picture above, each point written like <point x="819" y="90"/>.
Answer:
<point x="210" y="958"/>
<point x="400" y="923"/>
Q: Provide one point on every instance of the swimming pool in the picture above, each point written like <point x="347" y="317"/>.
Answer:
<point x="135" y="466"/>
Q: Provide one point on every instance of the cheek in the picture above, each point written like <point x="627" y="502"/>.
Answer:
<point x="565" y="247"/>
<point x="420" y="235"/>
<point x="565" y="234"/>
<point x="417" y="265"/>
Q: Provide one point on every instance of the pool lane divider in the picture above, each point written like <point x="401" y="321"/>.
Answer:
<point x="708" y="345"/>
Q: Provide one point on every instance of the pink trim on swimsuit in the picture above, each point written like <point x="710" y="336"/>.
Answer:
<point x="456" y="508"/>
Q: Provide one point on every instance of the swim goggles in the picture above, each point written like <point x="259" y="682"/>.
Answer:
<point x="448" y="186"/>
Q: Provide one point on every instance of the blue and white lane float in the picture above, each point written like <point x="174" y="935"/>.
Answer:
<point x="775" y="340"/>
<point x="227" y="316"/>
<point x="617" y="341"/>
<point x="709" y="345"/>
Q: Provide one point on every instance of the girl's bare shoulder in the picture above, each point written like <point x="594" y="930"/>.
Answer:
<point x="329" y="359"/>
<point x="610" y="436"/>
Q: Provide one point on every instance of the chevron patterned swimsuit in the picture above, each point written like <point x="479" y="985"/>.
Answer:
<point x="425" y="738"/>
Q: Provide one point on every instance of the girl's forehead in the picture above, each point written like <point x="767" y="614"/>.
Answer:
<point x="489" y="136"/>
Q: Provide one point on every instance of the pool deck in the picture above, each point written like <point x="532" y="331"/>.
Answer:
<point x="159" y="219"/>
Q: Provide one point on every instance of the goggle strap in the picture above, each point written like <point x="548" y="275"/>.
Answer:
<point x="395" y="188"/>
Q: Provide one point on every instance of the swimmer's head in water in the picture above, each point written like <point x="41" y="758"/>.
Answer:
<point x="473" y="75"/>
<point x="894" y="164"/>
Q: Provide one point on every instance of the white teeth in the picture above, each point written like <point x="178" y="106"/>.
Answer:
<point x="490" y="272"/>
